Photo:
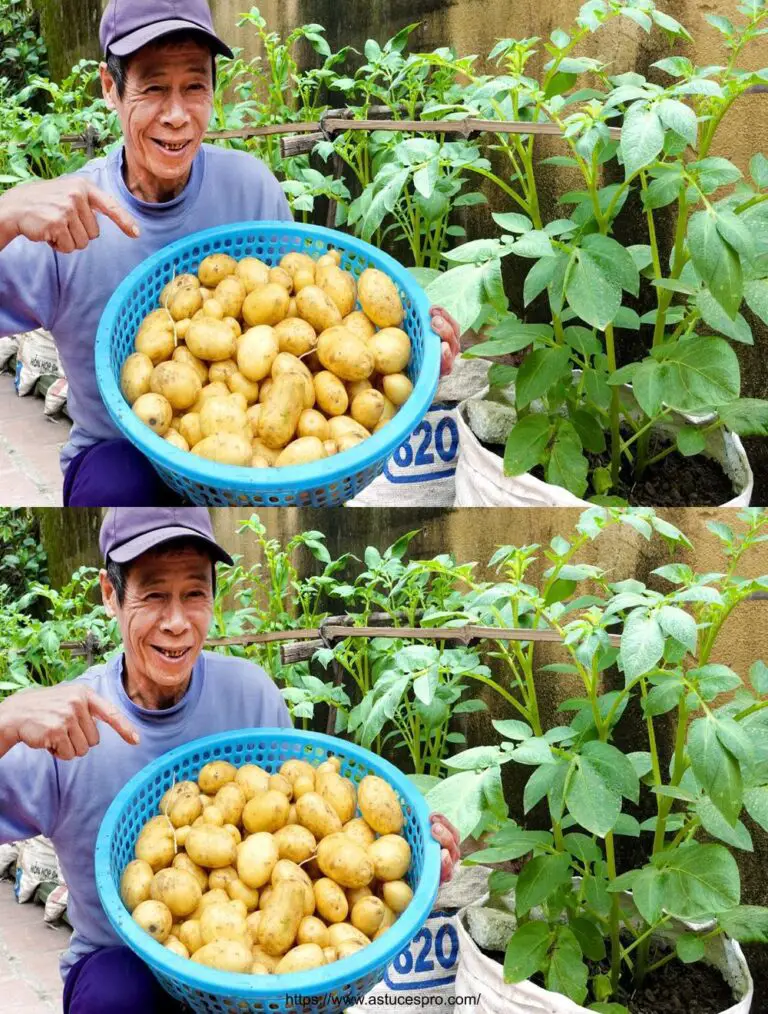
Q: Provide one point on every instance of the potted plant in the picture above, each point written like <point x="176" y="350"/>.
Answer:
<point x="631" y="382"/>
<point x="633" y="875"/>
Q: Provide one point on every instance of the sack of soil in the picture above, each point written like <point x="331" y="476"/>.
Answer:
<point x="56" y="396"/>
<point x="37" y="864"/>
<point x="37" y="356"/>
<point x="56" y="903"/>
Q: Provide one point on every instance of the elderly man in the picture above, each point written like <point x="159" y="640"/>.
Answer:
<point x="60" y="263"/>
<point x="59" y="771"/>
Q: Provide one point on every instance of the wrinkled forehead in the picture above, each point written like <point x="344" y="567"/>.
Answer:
<point x="184" y="53"/>
<point x="175" y="560"/>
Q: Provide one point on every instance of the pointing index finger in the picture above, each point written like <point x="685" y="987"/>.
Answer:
<point x="102" y="202"/>
<point x="108" y="713"/>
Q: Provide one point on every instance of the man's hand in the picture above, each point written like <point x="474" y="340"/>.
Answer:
<point x="448" y="837"/>
<point x="448" y="330"/>
<point x="61" y="213"/>
<point x="59" y="719"/>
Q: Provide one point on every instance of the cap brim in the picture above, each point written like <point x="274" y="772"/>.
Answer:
<point x="151" y="33"/>
<point x="151" y="540"/>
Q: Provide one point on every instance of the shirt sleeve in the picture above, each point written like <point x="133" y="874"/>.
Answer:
<point x="29" y="794"/>
<point x="29" y="287"/>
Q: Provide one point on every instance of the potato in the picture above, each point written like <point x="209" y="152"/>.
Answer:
<point x="217" y="389"/>
<point x="179" y="891"/>
<point x="348" y="947"/>
<point x="230" y="293"/>
<point x="174" y="944"/>
<point x="303" y="784"/>
<point x="263" y="959"/>
<point x="213" y="815"/>
<point x="313" y="424"/>
<point x="252" y="272"/>
<point x="211" y="340"/>
<point x="279" y="277"/>
<point x="256" y="858"/>
<point x="346" y="862"/>
<point x="234" y="325"/>
<point x="183" y="862"/>
<point x="211" y="846"/>
<point x="301" y="959"/>
<point x="252" y="779"/>
<point x="327" y="260"/>
<point x="331" y="955"/>
<point x="214" y="268"/>
<point x="397" y="387"/>
<point x="264" y="897"/>
<point x="267" y="811"/>
<point x="344" y="425"/>
<point x="281" y="411"/>
<point x="235" y="832"/>
<point x="136" y="376"/>
<point x="178" y="383"/>
<point x="331" y="763"/>
<point x="189" y="428"/>
<point x="367" y="915"/>
<point x="355" y="387"/>
<point x="238" y="891"/>
<point x="286" y="363"/>
<point x="158" y="825"/>
<point x="222" y="370"/>
<point x="264" y="390"/>
<point x="216" y="896"/>
<point x="136" y="883"/>
<point x="184" y="302"/>
<point x="342" y="931"/>
<point x="154" y="411"/>
<point x="157" y="318"/>
<point x="213" y="308"/>
<point x="380" y="806"/>
<point x="230" y="799"/>
<point x="261" y="450"/>
<point x="293" y="262"/>
<point x="391" y="857"/>
<point x="317" y="308"/>
<point x="267" y="305"/>
<point x="181" y="328"/>
<point x="185" y="809"/>
<point x="397" y="895"/>
<point x="287" y="870"/>
<point x="189" y="935"/>
<point x="332" y="904"/>
<point x="366" y="408"/>
<point x="359" y="831"/>
<point x="224" y="448"/>
<point x="301" y="452"/>
<point x="313" y="931"/>
<point x="257" y="351"/>
<point x="301" y="279"/>
<point x="317" y="815"/>
<point x="379" y="299"/>
<point x="181" y="354"/>
<point x="240" y="384"/>
<point x="340" y="793"/>
<point x="281" y="918"/>
<point x="156" y="343"/>
<point x="331" y="394"/>
<point x="295" y="842"/>
<point x="225" y="956"/>
<point x="296" y="336"/>
<point x="359" y="325"/>
<point x="220" y="879"/>
<point x="391" y="350"/>
<point x="155" y="918"/>
<point x="257" y="968"/>
<point x="341" y="287"/>
<point x="221" y="415"/>
<point x="354" y="894"/>
<point x="344" y="354"/>
<point x="222" y="922"/>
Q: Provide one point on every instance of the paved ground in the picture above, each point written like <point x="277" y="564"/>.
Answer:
<point x="29" y="957"/>
<point x="29" y="450"/>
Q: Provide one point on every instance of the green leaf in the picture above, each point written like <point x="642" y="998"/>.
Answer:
<point x="642" y="645"/>
<point x="756" y="295"/>
<point x="583" y="847"/>
<point x="679" y="624"/>
<point x="510" y="336"/>
<point x="716" y="261"/>
<point x="747" y="923"/>
<point x="616" y="769"/>
<point x="758" y="676"/>
<point x="540" y="370"/>
<point x="715" y="824"/>
<point x="679" y="117"/>
<point x="715" y="767"/>
<point x="699" y="880"/>
<point x="512" y="728"/>
<point x="591" y="294"/>
<point x="714" y="679"/>
<point x="616" y="262"/>
<point x="540" y="878"/>
<point x="567" y="466"/>
<point x="513" y="222"/>
<point x="532" y="244"/>
<point x="476" y="252"/>
<point x="538" y="278"/>
<point x="475" y="759"/>
<point x="500" y="882"/>
<point x="758" y="169"/>
<point x="690" y="441"/>
<point x="460" y="291"/>
<point x="689" y="948"/>
<point x="593" y="803"/>
<point x="662" y="191"/>
<point x="647" y="892"/>
<point x="714" y="172"/>
<point x="526" y="444"/>
<point x="591" y="433"/>
<point x="642" y="139"/>
<point x="756" y="805"/>
<point x="713" y="314"/>
<point x="526" y="951"/>
<point x="698" y="373"/>
<point x="747" y="416"/>
<point x="567" y="973"/>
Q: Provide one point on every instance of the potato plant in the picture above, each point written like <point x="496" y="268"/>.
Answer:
<point x="570" y="387"/>
<point x="569" y="897"/>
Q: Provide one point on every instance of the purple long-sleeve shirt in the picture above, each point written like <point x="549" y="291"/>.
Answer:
<point x="66" y="800"/>
<point x="67" y="293"/>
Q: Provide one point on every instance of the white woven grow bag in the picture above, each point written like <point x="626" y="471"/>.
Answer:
<point x="480" y="479"/>
<point x="480" y="977"/>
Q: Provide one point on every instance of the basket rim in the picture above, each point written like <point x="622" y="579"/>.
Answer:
<point x="379" y="953"/>
<point x="293" y="479"/>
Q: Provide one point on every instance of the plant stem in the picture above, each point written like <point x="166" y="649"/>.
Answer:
<point x="610" y="346"/>
<point x="610" y="855"/>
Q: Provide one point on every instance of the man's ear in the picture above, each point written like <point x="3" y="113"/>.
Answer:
<point x="108" y="594"/>
<point x="108" y="87"/>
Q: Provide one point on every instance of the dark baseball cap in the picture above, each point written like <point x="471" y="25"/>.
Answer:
<point x="127" y="25"/>
<point x="127" y="532"/>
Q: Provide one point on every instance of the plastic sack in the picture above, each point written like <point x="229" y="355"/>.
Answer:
<point x="9" y="346"/>
<point x="56" y="396"/>
<point x="37" y="356"/>
<point x="37" y="864"/>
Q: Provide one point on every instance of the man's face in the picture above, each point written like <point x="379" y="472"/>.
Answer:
<point x="165" y="614"/>
<point x="165" y="109"/>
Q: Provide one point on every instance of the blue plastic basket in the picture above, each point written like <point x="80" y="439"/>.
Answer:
<point x="325" y="483"/>
<point x="330" y="988"/>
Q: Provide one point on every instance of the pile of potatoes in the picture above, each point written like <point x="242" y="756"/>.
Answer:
<point x="249" y="872"/>
<point x="250" y="365"/>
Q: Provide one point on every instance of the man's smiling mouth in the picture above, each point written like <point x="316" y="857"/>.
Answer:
<point x="172" y="653"/>
<point x="173" y="147"/>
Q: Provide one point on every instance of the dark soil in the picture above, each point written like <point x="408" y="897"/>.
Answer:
<point x="674" y="989"/>
<point x="675" y="481"/>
